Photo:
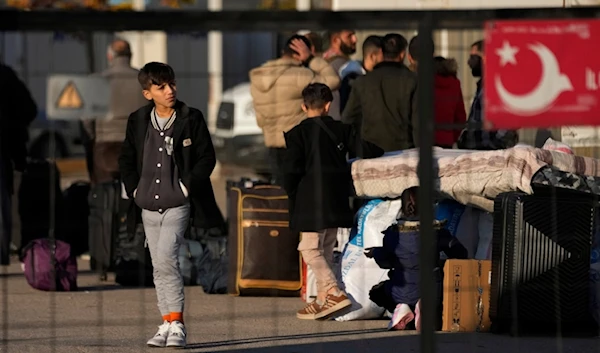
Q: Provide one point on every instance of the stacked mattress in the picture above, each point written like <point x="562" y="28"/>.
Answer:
<point x="476" y="177"/>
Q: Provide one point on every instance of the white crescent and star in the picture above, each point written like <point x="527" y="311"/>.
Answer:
<point x="549" y="87"/>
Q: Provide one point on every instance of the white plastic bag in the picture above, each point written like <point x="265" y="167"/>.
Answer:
<point x="359" y="273"/>
<point x="377" y="217"/>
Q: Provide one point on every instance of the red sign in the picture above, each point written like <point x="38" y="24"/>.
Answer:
<point x="541" y="73"/>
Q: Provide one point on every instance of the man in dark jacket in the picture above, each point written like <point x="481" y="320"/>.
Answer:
<point x="383" y="103"/>
<point x="166" y="162"/>
<point x="17" y="111"/>
<point x="372" y="55"/>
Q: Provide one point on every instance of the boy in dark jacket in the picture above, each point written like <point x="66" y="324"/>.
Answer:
<point x="400" y="253"/>
<point x="166" y="162"/>
<point x="317" y="179"/>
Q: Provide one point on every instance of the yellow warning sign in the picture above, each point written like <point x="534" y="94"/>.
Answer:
<point x="69" y="98"/>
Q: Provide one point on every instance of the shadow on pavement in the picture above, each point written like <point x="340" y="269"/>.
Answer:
<point x="445" y="343"/>
<point x="282" y="338"/>
<point x="21" y="274"/>
<point x="103" y="287"/>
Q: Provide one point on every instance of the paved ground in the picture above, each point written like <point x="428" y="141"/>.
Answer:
<point x="104" y="317"/>
<point x="109" y="318"/>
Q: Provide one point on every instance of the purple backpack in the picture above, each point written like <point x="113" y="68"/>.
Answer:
<point x="40" y="271"/>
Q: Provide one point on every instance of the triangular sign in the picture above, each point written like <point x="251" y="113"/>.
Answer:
<point x="69" y="98"/>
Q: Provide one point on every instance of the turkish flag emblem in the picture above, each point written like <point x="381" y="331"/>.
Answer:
<point x="541" y="74"/>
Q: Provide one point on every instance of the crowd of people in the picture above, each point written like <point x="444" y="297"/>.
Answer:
<point x="377" y="95"/>
<point x="317" y="108"/>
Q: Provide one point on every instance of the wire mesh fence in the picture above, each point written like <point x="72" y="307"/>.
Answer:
<point x="74" y="197"/>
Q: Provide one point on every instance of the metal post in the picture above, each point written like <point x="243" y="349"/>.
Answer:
<point x="426" y="176"/>
<point x="302" y="5"/>
<point x="215" y="68"/>
<point x="444" y="46"/>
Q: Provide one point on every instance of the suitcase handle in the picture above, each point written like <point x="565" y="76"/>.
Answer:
<point x="266" y="187"/>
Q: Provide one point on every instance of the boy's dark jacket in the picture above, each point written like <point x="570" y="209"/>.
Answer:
<point x="317" y="175"/>
<point x="195" y="162"/>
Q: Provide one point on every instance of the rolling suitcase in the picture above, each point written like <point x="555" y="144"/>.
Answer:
<point x="264" y="260"/>
<point x="103" y="225"/>
<point x="76" y="217"/>
<point x="41" y="203"/>
<point x="541" y="261"/>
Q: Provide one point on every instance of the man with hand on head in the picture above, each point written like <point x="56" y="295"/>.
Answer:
<point x="276" y="89"/>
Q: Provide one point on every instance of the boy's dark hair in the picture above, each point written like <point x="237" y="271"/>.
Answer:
<point x="155" y="73"/>
<point x="289" y="51"/>
<point x="393" y="44"/>
<point x="316" y="96"/>
<point x="409" y="202"/>
<point x="371" y="44"/>
<point x="413" y="47"/>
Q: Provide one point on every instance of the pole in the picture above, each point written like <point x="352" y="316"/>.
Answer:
<point x="426" y="176"/>
<point x="215" y="68"/>
<point x="444" y="47"/>
<point x="302" y="5"/>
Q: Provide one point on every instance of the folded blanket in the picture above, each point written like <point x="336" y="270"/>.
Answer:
<point x="470" y="177"/>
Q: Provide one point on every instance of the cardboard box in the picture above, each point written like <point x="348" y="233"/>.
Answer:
<point x="466" y="293"/>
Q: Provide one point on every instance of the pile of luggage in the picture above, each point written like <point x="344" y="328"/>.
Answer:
<point x="530" y="245"/>
<point x="57" y="227"/>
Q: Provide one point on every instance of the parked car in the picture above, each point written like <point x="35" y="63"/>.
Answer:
<point x="237" y="138"/>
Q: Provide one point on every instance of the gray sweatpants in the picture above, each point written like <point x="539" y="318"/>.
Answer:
<point x="165" y="233"/>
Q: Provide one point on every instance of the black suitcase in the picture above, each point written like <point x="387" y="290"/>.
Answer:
<point x="75" y="222"/>
<point x="541" y="262"/>
<point x="40" y="202"/>
<point x="104" y="201"/>
<point x="263" y="255"/>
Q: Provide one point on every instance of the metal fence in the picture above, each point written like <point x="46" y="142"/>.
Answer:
<point x="117" y="322"/>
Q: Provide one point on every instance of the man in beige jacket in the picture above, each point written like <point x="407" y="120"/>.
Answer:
<point x="106" y="135"/>
<point x="276" y="88"/>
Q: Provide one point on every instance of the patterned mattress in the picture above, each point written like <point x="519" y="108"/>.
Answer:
<point x="471" y="177"/>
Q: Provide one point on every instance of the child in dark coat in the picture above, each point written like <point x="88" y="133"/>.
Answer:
<point x="400" y="253"/>
<point x="318" y="182"/>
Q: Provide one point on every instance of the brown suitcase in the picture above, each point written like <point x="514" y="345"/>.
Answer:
<point x="263" y="255"/>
